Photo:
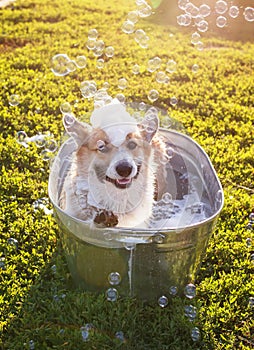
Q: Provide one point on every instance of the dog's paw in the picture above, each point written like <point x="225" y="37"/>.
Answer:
<point x="106" y="218"/>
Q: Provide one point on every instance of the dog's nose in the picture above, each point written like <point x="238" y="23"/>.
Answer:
<point x="124" y="169"/>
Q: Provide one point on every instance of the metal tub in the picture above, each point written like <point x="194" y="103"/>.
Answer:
<point x="145" y="263"/>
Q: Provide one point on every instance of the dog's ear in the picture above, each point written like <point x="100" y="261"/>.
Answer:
<point x="149" y="126"/>
<point x="77" y="130"/>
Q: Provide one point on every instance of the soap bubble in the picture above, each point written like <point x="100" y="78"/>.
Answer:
<point x="121" y="98"/>
<point x="195" y="334"/>
<point x="2" y="263"/>
<point x="69" y="119"/>
<point x="233" y="11"/>
<point x="144" y="42"/>
<point x="51" y="146"/>
<point x="153" y="64"/>
<point x="99" y="47"/>
<point x="251" y="301"/>
<point x="163" y="301"/>
<point x="251" y="217"/>
<point x="13" y="242"/>
<point x="90" y="44"/>
<point x="120" y="335"/>
<point x="192" y="10"/>
<point x="46" y="155"/>
<point x="135" y="69"/>
<point x="71" y="66"/>
<point x="21" y="138"/>
<point x="122" y="83"/>
<point x="81" y="61"/>
<point x="173" y="290"/>
<point x="171" y="66"/>
<point x="248" y="14"/>
<point x="31" y="345"/>
<point x="100" y="63"/>
<point x="195" y="68"/>
<point x="248" y="242"/>
<point x="88" y="88"/>
<point x="204" y="10"/>
<point x="139" y="33"/>
<point x="106" y="85"/>
<point x="112" y="294"/>
<point x="195" y="37"/>
<point x="60" y="65"/>
<point x="14" y="100"/>
<point x="182" y="4"/>
<point x="65" y="108"/>
<point x="109" y="51"/>
<point x="132" y="17"/>
<point x="166" y="198"/>
<point x="153" y="95"/>
<point x="173" y="101"/>
<point x="190" y="291"/>
<point x="84" y="333"/>
<point x="202" y="26"/>
<point x="93" y="34"/>
<point x="221" y="7"/>
<point x="144" y="10"/>
<point x="161" y="77"/>
<point x="184" y="20"/>
<point x="221" y="21"/>
<point x="199" y="46"/>
<point x="114" y="278"/>
<point x="128" y="27"/>
<point x="190" y="311"/>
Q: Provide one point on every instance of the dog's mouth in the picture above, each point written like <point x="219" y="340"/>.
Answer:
<point x="123" y="182"/>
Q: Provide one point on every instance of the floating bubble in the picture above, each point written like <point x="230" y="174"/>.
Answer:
<point x="195" y="68"/>
<point x="71" y="66"/>
<point x="14" y="100"/>
<point x="31" y="345"/>
<point x="192" y="10"/>
<point x="249" y="226"/>
<point x="2" y="263"/>
<point x="248" y="242"/>
<point x="112" y="294"/>
<point x="122" y="83"/>
<point x="13" y="242"/>
<point x="114" y="278"/>
<point x="161" y="77"/>
<point x="251" y="301"/>
<point x="252" y="258"/>
<point x="173" y="290"/>
<point x="139" y="34"/>
<point x="60" y="65"/>
<point x="153" y="64"/>
<point x="142" y="106"/>
<point x="204" y="10"/>
<point x="190" y="291"/>
<point x="166" y="198"/>
<point x="195" y="334"/>
<point x="81" y="61"/>
<point x="135" y="69"/>
<point x="251" y="217"/>
<point x="173" y="101"/>
<point x="190" y="311"/>
<point x="99" y="47"/>
<point x="92" y="34"/>
<point x="65" y="108"/>
<point x="144" y="10"/>
<point x="221" y="21"/>
<point x="90" y="44"/>
<point x="182" y="4"/>
<point x="51" y="145"/>
<point x="69" y="119"/>
<point x="46" y="155"/>
<point x="21" y="138"/>
<point x="120" y="335"/>
<point x="195" y="38"/>
<point x="221" y="7"/>
<point x="248" y="14"/>
<point x="181" y="20"/>
<point x="203" y="26"/>
<point x="234" y="11"/>
<point x="106" y="85"/>
<point x="128" y="27"/>
<point x="200" y="46"/>
<point x="109" y="51"/>
<point x="132" y="17"/>
<point x="88" y="88"/>
<point x="121" y="98"/>
<point x="53" y="269"/>
<point x="153" y="95"/>
<point x="84" y="334"/>
<point x="163" y="301"/>
<point x="171" y="66"/>
<point x="100" y="63"/>
<point x="144" y="42"/>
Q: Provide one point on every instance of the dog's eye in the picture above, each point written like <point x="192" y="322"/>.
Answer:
<point x="132" y="145"/>
<point x="101" y="146"/>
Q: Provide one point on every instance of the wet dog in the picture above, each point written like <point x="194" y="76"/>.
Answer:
<point x="116" y="171"/>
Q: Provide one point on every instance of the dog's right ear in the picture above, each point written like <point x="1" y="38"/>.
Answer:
<point x="77" y="130"/>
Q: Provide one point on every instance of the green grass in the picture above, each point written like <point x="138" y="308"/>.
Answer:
<point x="215" y="106"/>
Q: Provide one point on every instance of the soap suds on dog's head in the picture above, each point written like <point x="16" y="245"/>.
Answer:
<point x="115" y="121"/>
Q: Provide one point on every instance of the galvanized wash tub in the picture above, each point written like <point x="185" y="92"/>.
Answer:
<point x="145" y="262"/>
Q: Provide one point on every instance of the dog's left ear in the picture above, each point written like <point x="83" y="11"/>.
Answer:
<point x="149" y="126"/>
<point x="77" y="130"/>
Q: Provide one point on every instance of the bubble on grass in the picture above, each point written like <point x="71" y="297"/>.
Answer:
<point x="120" y="336"/>
<point x="2" y="263"/>
<point x="153" y="95"/>
<point x="221" y="21"/>
<point x="171" y="66"/>
<point x="81" y="61"/>
<point x="114" y="278"/>
<point x="60" y="65"/>
<point x="203" y="26"/>
<point x="51" y="145"/>
<point x="139" y="33"/>
<point x="204" y="10"/>
<point x="90" y="44"/>
<point x="84" y="333"/>
<point x="121" y="98"/>
<point x="106" y="85"/>
<point x="109" y="51"/>
<point x="190" y="291"/>
<point x="248" y="14"/>
<point x="31" y="345"/>
<point x="192" y="10"/>
<point x="173" y="101"/>
<point x="112" y="294"/>
<point x="135" y="69"/>
<point x="14" y="100"/>
<point x="251" y="301"/>
<point x="132" y="17"/>
<point x="122" y="83"/>
<point x="251" y="217"/>
<point x="195" y="68"/>
<point x="46" y="155"/>
<point x="53" y="269"/>
<point x="99" y="48"/>
<point x="153" y="64"/>
<point x="144" y="42"/>
<point x="21" y="138"/>
<point x="92" y="34"/>
<point x="173" y="290"/>
<point x="141" y="38"/>
<point x="128" y="27"/>
<point x="42" y="204"/>
<point x="195" y="334"/>
<point x="13" y="241"/>
<point x="71" y="66"/>
<point x="234" y="11"/>
<point x="248" y="242"/>
<point x="190" y="311"/>
<point x="199" y="46"/>
<point x="252" y="258"/>
<point x="161" y="77"/>
<point x="195" y="38"/>
<point x="65" y="108"/>
<point x="163" y="301"/>
<point x="142" y="106"/>
<point x="100" y="63"/>
<point x="144" y="10"/>
<point x="88" y="88"/>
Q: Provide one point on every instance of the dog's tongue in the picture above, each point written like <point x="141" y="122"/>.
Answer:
<point x="115" y="121"/>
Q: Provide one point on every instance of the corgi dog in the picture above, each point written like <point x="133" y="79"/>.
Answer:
<point x="115" y="172"/>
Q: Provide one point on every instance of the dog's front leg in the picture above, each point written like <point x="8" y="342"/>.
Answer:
<point x="106" y="218"/>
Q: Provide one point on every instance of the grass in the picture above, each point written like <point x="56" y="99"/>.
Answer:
<point x="40" y="308"/>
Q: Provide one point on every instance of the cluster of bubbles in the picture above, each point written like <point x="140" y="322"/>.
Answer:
<point x="44" y="141"/>
<point x="198" y="16"/>
<point x="62" y="64"/>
